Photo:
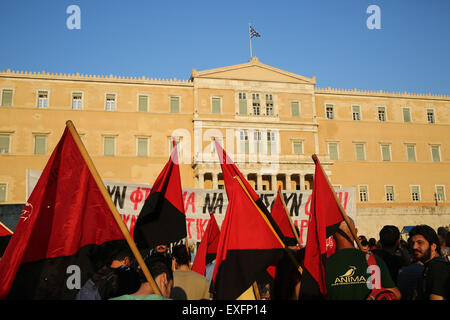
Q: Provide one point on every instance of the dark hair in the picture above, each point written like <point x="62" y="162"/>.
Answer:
<point x="372" y="242"/>
<point x="428" y="233"/>
<point x="156" y="265"/>
<point x="364" y="242"/>
<point x="181" y="255"/>
<point x="389" y="236"/>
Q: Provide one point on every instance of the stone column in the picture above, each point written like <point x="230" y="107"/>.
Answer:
<point x="302" y="181"/>
<point x="259" y="183"/>
<point x="288" y="181"/>
<point x="215" y="182"/>
<point x="201" y="181"/>
<point x="274" y="181"/>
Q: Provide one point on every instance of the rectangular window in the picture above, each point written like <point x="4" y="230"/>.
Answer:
<point x="295" y="109"/>
<point x="382" y="114"/>
<point x="389" y="193"/>
<point x="77" y="98"/>
<point x="7" y="98"/>
<point x="411" y="152"/>
<point x="415" y="193"/>
<point x="215" y="105"/>
<point x="243" y="135"/>
<point x="386" y="152"/>
<point x="363" y="194"/>
<point x="256" y="104"/>
<point x="356" y="112"/>
<point x="333" y="151"/>
<point x="174" y="104"/>
<point x="271" y="143"/>
<point x="257" y="139"/>
<point x="43" y="99"/>
<point x="406" y="115"/>
<point x="143" y="103"/>
<point x="440" y="193"/>
<point x="359" y="150"/>
<point x="269" y="105"/>
<point x="40" y="144"/>
<point x="2" y="192"/>
<point x="242" y="103"/>
<point x="435" y="154"/>
<point x="298" y="147"/>
<point x="430" y="115"/>
<point x="109" y="146"/>
<point x="110" y="102"/>
<point x="142" y="147"/>
<point x="330" y="111"/>
<point x="4" y="143"/>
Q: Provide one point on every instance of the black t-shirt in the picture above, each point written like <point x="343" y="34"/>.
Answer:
<point x="393" y="262"/>
<point x="435" y="280"/>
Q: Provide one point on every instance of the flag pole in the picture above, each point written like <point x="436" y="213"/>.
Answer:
<point x="289" y="218"/>
<point x="341" y="209"/>
<point x="111" y="206"/>
<point x="299" y="268"/>
<point x="249" y="34"/>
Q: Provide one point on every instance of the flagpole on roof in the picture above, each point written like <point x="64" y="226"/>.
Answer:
<point x="111" y="206"/>
<point x="250" y="36"/>
<point x="341" y="209"/>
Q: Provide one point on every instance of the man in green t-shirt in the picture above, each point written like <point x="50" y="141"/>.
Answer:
<point x="347" y="273"/>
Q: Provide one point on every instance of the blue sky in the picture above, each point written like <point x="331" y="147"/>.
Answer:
<point x="328" y="39"/>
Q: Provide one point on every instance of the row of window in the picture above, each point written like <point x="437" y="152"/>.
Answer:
<point x="385" y="152"/>
<point x="390" y="194"/>
<point x="381" y="113"/>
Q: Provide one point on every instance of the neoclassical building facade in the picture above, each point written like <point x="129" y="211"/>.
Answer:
<point x="392" y="147"/>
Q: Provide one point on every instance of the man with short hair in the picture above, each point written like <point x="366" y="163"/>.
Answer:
<point x="347" y="270"/>
<point x="187" y="284"/>
<point x="435" y="282"/>
<point x="390" y="241"/>
<point x="162" y="274"/>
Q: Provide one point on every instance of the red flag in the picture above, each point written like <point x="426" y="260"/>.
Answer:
<point x="162" y="219"/>
<point x="247" y="245"/>
<point x="229" y="171"/>
<point x="208" y="246"/>
<point x="280" y="216"/>
<point x="65" y="222"/>
<point x="324" y="220"/>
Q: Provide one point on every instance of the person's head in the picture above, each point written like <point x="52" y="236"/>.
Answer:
<point x="389" y="237"/>
<point x="161" y="248"/>
<point x="180" y="257"/>
<point x="365" y="245"/>
<point x="442" y="234"/>
<point x="372" y="242"/>
<point x="343" y="236"/>
<point x="159" y="268"/>
<point x="123" y="257"/>
<point x="424" y="243"/>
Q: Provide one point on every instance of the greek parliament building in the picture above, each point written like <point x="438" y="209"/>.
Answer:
<point x="393" y="148"/>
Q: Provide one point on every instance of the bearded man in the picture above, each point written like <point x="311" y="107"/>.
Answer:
<point x="435" y="282"/>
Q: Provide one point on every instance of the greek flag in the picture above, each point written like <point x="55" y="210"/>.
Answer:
<point x="253" y="33"/>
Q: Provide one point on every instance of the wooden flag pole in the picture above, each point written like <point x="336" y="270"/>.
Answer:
<point x="112" y="207"/>
<point x="341" y="209"/>
<point x="289" y="218"/>
<point x="6" y="228"/>
<point x="256" y="291"/>
<point x="299" y="268"/>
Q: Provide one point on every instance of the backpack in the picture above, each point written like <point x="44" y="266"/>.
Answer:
<point x="378" y="293"/>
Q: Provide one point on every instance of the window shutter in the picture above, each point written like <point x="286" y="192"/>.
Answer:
<point x="360" y="152"/>
<point x="143" y="104"/>
<point x="295" y="109"/>
<point x="7" y="98"/>
<point x="109" y="146"/>
<point x="39" y="144"/>
<point x="435" y="154"/>
<point x="174" y="104"/>
<point x="406" y="115"/>
<point x="215" y="105"/>
<point x="4" y="144"/>
<point x="332" y="150"/>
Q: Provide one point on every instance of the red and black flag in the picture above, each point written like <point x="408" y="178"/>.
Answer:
<point x="324" y="221"/>
<point x="247" y="245"/>
<point x="162" y="219"/>
<point x="65" y="232"/>
<point x="281" y="218"/>
<point x="207" y="249"/>
<point x="5" y="236"/>
<point x="230" y="170"/>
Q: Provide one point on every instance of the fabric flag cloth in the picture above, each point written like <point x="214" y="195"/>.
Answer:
<point x="230" y="170"/>
<point x="254" y="33"/>
<point x="65" y="232"/>
<point x="207" y="249"/>
<point x="281" y="218"/>
<point x="324" y="221"/>
<point x="5" y="236"/>
<point x="162" y="219"/>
